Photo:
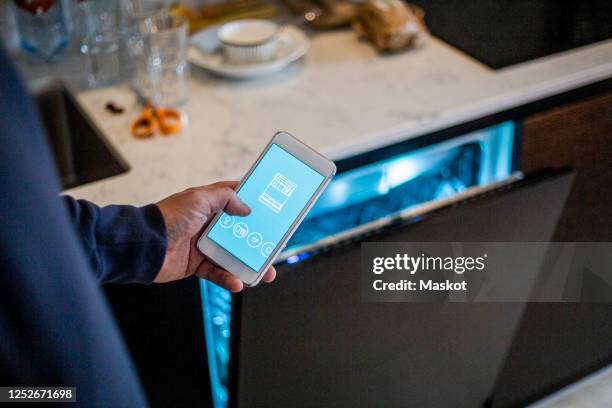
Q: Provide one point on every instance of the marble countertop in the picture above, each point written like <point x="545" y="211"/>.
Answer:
<point x="342" y="99"/>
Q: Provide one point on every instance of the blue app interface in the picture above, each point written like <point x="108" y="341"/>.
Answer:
<point x="277" y="191"/>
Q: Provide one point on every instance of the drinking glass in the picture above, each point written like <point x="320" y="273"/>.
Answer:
<point x="101" y="40"/>
<point x="43" y="29"/>
<point x="161" y="65"/>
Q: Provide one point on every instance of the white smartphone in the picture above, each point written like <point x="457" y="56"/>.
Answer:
<point x="280" y="189"/>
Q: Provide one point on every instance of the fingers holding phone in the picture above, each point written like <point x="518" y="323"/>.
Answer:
<point x="280" y="188"/>
<point x="186" y="214"/>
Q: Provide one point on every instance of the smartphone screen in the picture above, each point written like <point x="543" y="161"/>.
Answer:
<point x="277" y="191"/>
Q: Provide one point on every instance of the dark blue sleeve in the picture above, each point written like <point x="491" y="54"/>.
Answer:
<point x="124" y="244"/>
<point x="56" y="328"/>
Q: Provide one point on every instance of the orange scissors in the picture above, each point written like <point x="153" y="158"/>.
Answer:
<point x="168" y="121"/>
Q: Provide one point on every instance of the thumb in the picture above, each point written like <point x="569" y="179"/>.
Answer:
<point x="224" y="198"/>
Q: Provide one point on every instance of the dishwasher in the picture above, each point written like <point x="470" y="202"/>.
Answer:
<point x="359" y="194"/>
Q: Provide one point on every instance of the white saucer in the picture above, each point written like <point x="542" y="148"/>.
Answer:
<point x="205" y="47"/>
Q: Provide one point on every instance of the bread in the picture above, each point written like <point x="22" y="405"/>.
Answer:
<point x="391" y="25"/>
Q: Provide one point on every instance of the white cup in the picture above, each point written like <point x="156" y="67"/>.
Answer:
<point x="249" y="41"/>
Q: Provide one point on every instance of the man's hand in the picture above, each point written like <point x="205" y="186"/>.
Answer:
<point x="186" y="215"/>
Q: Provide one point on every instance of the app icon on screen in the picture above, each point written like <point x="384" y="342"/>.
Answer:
<point x="241" y="230"/>
<point x="267" y="248"/>
<point x="277" y="192"/>
<point x="254" y="239"/>
<point x="227" y="221"/>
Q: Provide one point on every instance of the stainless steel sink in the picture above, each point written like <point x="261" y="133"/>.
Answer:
<point x="82" y="153"/>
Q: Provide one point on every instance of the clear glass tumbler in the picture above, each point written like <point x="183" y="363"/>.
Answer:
<point x="161" y="67"/>
<point x="99" y="30"/>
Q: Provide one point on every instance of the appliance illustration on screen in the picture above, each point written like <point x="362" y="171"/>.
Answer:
<point x="277" y="192"/>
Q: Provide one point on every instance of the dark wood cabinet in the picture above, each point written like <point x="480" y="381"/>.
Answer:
<point x="559" y="343"/>
<point x="579" y="135"/>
